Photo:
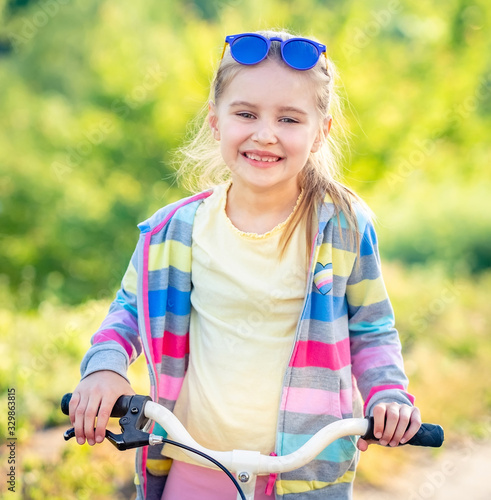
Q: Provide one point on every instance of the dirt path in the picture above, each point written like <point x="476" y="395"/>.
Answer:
<point x="459" y="473"/>
<point x="48" y="445"/>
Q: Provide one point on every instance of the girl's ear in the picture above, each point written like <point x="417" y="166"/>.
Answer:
<point x="322" y="134"/>
<point x="213" y="120"/>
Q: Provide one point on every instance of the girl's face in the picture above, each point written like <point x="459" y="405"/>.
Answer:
<point x="267" y="124"/>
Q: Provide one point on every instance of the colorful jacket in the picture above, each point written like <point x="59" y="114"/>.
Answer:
<point x="345" y="342"/>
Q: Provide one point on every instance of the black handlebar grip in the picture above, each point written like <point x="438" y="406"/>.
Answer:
<point x="65" y="401"/>
<point x="428" y="435"/>
<point x="120" y="408"/>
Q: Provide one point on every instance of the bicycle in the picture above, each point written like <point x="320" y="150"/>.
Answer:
<point x="136" y="413"/>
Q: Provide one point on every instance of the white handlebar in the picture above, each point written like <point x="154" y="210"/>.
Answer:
<point x="246" y="464"/>
<point x="251" y="461"/>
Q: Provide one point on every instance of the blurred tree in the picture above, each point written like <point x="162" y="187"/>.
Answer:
<point x="96" y="95"/>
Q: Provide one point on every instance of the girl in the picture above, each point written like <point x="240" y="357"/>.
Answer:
<point x="259" y="303"/>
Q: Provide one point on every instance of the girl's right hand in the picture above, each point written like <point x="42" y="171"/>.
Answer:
<point x="95" y="395"/>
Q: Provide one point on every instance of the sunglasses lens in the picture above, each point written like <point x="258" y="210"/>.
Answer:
<point x="300" y="54"/>
<point x="249" y="49"/>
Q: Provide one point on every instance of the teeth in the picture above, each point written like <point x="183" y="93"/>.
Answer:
<point x="261" y="158"/>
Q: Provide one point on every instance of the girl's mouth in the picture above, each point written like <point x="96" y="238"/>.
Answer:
<point x="261" y="158"/>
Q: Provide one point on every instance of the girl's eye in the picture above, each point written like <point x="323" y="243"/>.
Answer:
<point x="288" y="120"/>
<point x="245" y="114"/>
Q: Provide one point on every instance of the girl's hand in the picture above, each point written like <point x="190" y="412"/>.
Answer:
<point x="95" y="396"/>
<point x="394" y="424"/>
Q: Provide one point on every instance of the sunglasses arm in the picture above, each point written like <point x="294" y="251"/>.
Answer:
<point x="325" y="55"/>
<point x="223" y="51"/>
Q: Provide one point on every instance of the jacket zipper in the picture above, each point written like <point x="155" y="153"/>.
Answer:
<point x="145" y="345"/>
<point x="297" y="330"/>
<point x="153" y="377"/>
<point x="146" y="348"/>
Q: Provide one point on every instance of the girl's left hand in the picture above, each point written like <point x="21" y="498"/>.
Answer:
<point x="394" y="424"/>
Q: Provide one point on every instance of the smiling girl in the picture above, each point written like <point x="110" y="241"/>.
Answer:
<point x="259" y="301"/>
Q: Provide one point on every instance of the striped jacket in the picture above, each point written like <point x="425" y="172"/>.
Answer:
<point x="345" y="342"/>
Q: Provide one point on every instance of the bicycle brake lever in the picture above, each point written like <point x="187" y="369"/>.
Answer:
<point x="131" y="425"/>
<point x="120" y="441"/>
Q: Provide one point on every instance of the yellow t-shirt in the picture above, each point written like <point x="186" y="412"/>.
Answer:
<point x="246" y="303"/>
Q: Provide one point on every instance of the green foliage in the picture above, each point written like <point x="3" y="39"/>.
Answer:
<point x="92" y="118"/>
<point x="36" y="348"/>
<point x="453" y="234"/>
<point x="41" y="353"/>
<point x="96" y="95"/>
<point x="444" y="325"/>
<point x="78" y="476"/>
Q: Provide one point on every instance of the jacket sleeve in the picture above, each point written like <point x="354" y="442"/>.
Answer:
<point x="375" y="346"/>
<point x="117" y="342"/>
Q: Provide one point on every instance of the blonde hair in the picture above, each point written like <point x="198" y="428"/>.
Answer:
<point x="202" y="166"/>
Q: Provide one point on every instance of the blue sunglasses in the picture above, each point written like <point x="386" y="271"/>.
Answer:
<point x="252" y="48"/>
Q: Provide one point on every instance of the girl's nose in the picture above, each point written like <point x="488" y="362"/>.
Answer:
<point x="264" y="134"/>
